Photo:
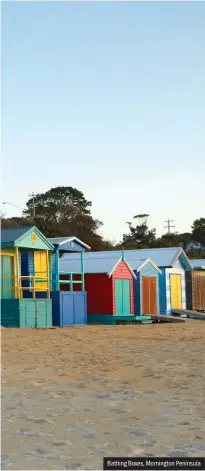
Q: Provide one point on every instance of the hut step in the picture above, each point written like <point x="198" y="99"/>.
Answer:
<point x="189" y="314"/>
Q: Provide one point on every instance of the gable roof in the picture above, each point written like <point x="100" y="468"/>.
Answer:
<point x="65" y="243"/>
<point x="98" y="264"/>
<point x="15" y="237"/>
<point x="200" y="263"/>
<point x="12" y="234"/>
<point x="162" y="258"/>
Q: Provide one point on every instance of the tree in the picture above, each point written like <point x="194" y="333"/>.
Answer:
<point x="140" y="236"/>
<point x="184" y="239"/>
<point x="14" y="222"/>
<point x="198" y="231"/>
<point x="171" y="239"/>
<point x="64" y="211"/>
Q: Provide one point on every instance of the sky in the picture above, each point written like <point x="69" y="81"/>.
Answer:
<point x="108" y="98"/>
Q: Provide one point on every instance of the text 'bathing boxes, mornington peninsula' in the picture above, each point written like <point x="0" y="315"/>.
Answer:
<point x="25" y="254"/>
<point x="115" y="287"/>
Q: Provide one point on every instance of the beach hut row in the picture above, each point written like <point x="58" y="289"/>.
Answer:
<point x="154" y="281"/>
<point x="60" y="282"/>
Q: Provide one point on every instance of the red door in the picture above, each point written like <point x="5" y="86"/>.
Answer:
<point x="149" y="295"/>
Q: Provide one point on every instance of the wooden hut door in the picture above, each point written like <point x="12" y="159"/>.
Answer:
<point x="145" y="295"/>
<point x="7" y="284"/>
<point x="176" y="291"/>
<point x="122" y="297"/>
<point x="153" y="295"/>
<point x="199" y="292"/>
<point x="149" y="295"/>
<point x="41" y="269"/>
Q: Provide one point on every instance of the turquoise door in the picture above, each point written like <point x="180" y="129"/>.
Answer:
<point x="126" y="296"/>
<point x="122" y="297"/>
<point x="7" y="284"/>
<point x="118" y="298"/>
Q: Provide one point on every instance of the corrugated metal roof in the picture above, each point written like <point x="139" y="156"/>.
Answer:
<point x="12" y="234"/>
<point x="198" y="263"/>
<point x="96" y="264"/>
<point x="71" y="263"/>
<point x="164" y="257"/>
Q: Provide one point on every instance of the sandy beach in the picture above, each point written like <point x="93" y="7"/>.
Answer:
<point x="72" y="396"/>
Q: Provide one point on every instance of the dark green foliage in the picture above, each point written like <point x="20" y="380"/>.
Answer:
<point x="140" y="236"/>
<point x="198" y="231"/>
<point x="15" y="222"/>
<point x="64" y="211"/>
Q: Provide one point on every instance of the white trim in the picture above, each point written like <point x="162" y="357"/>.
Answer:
<point x="126" y="263"/>
<point x="128" y="266"/>
<point x="81" y="242"/>
<point x="70" y="239"/>
<point x="177" y="271"/>
<point x="41" y="236"/>
<point x="114" y="268"/>
<point x="176" y="256"/>
<point x="181" y="252"/>
<point x="149" y="260"/>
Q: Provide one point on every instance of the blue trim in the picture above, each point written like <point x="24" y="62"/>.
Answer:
<point x="162" y="292"/>
<point x="137" y="296"/>
<point x="7" y="244"/>
<point x="184" y="262"/>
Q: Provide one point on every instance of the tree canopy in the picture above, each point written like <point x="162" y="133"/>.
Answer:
<point x="64" y="211"/>
<point x="198" y="231"/>
<point x="139" y="234"/>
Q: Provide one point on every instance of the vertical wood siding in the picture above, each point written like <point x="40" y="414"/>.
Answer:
<point x="149" y="270"/>
<point x="99" y="294"/>
<point x="149" y="295"/>
<point x="198" y="293"/>
<point x="162" y="292"/>
<point x="123" y="272"/>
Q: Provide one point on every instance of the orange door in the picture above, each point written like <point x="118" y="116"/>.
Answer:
<point x="153" y="295"/>
<point x="145" y="295"/>
<point x="149" y="295"/>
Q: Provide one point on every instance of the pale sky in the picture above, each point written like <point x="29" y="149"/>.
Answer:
<point x="108" y="98"/>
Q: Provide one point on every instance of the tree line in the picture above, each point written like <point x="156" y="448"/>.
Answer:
<point x="64" y="211"/>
